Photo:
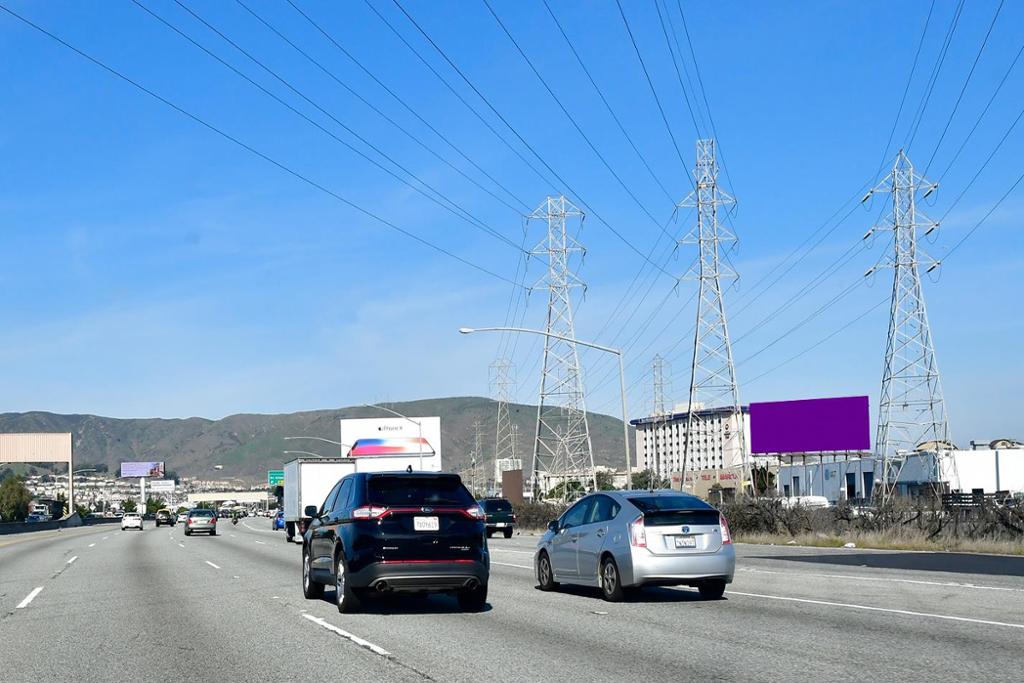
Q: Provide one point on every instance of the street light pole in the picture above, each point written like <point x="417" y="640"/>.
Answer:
<point x="339" y="444"/>
<point x="592" y="345"/>
<point x="418" y="423"/>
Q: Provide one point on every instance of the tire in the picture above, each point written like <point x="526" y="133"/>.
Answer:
<point x="508" y="533"/>
<point x="611" y="581"/>
<point x="488" y="533"/>
<point x="346" y="597"/>
<point x="213" y="532"/>
<point x="188" y="532"/>
<point x="545" y="576"/>
<point x="473" y="600"/>
<point x="311" y="590"/>
<point x="712" y="590"/>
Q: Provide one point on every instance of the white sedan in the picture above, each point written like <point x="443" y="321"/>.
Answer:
<point x="131" y="520"/>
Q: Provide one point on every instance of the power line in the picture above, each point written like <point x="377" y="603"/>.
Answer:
<point x="679" y="76"/>
<point x="523" y="205"/>
<point x="919" y="115"/>
<point x="249" y="148"/>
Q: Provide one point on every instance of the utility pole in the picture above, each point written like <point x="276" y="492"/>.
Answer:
<point x="712" y="371"/>
<point x="911" y="410"/>
<point x="501" y="387"/>
<point x="561" y="446"/>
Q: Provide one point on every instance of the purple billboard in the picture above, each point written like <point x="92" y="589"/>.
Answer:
<point x="811" y="425"/>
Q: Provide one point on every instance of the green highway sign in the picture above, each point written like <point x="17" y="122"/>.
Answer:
<point x="275" y="477"/>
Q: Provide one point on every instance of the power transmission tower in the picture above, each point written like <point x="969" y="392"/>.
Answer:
<point x="712" y="372"/>
<point x="659" y="412"/>
<point x="911" y="410"/>
<point x="502" y="382"/>
<point x="561" y="446"/>
<point x="478" y="456"/>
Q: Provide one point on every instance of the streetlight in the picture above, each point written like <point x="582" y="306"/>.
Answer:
<point x="606" y="349"/>
<point x="419" y="426"/>
<point x="339" y="444"/>
<point x="315" y="455"/>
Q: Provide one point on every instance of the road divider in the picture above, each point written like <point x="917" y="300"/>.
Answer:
<point x="30" y="597"/>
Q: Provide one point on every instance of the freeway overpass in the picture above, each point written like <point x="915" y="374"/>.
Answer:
<point x="237" y="496"/>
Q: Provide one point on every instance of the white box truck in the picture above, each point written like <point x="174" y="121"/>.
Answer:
<point x="374" y="445"/>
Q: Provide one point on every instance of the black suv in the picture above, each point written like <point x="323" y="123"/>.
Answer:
<point x="499" y="516"/>
<point x="396" y="531"/>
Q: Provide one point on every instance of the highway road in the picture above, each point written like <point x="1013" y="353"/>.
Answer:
<point x="99" y="604"/>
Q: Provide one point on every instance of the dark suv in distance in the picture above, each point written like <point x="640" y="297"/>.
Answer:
<point x="499" y="516"/>
<point x="396" y="531"/>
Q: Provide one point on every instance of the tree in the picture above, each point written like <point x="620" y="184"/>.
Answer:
<point x="605" y="481"/>
<point x="649" y="479"/>
<point x="569" y="490"/>
<point x="129" y="505"/>
<point x="763" y="480"/>
<point x="15" y="499"/>
<point x="153" y="504"/>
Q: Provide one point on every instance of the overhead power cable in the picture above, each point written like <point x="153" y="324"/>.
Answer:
<point x="930" y="88"/>
<point x="252" y="150"/>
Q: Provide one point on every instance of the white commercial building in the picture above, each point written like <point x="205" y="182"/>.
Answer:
<point x="661" y="441"/>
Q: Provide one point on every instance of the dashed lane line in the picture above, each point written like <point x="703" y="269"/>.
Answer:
<point x="506" y="564"/>
<point x="30" y="597"/>
<point x="888" y="579"/>
<point x="376" y="649"/>
<point x="92" y="545"/>
<point x="212" y="564"/>
<point x="73" y="559"/>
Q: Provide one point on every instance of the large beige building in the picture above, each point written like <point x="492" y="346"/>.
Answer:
<point x="661" y="440"/>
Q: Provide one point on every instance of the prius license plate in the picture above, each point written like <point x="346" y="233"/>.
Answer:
<point x="426" y="524"/>
<point x="686" y="541"/>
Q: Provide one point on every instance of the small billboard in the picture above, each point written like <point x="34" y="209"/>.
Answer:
<point x="162" y="486"/>
<point x="142" y="469"/>
<point x="810" y="426"/>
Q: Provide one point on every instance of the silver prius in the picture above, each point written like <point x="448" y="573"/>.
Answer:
<point x="621" y="540"/>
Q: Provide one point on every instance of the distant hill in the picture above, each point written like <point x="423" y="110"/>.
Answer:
<point x="248" y="445"/>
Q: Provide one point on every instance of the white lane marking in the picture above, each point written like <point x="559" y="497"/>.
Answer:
<point x="233" y="536"/>
<point x="262" y="542"/>
<point x="105" y="538"/>
<point x="73" y="559"/>
<point x="211" y="564"/>
<point x="852" y="577"/>
<point x="345" y="634"/>
<point x="504" y="550"/>
<point x="30" y="597"/>
<point x="181" y="545"/>
<point x="506" y="564"/>
<point x="91" y="545"/>
<point x="945" y="617"/>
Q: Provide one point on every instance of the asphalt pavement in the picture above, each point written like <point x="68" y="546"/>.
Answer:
<point x="99" y="604"/>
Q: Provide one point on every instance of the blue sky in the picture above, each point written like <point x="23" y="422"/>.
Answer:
<point x="153" y="268"/>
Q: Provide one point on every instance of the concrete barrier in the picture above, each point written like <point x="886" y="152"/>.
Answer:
<point x="65" y="523"/>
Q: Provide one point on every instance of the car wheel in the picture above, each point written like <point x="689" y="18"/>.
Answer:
<point x="213" y="532"/>
<point x="188" y="532"/>
<point x="712" y="590"/>
<point x="345" y="596"/>
<point x="611" y="581"/>
<point x="473" y="600"/>
<point x="508" y="533"/>
<point x="488" y="533"/>
<point x="545" y="577"/>
<point x="311" y="590"/>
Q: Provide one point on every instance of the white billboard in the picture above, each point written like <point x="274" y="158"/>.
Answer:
<point x="161" y="485"/>
<point x="394" y="436"/>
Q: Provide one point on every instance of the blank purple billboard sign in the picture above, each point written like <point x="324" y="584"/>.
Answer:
<point x="810" y="426"/>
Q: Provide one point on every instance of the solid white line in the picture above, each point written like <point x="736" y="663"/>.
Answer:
<point x="504" y="550"/>
<point x="345" y="634"/>
<point x="29" y="598"/>
<point x="506" y="564"/>
<point x="73" y="559"/>
<point x="211" y="564"/>
<point x="851" y="577"/>
<point x="91" y="545"/>
<point x="880" y="609"/>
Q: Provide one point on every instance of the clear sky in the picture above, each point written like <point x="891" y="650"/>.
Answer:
<point x="152" y="267"/>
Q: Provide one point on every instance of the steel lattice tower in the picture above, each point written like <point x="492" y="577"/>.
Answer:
<point x="712" y="372"/>
<point x="659" y="412"/>
<point x="561" y="446"/>
<point x="502" y="382"/>
<point x="911" y="410"/>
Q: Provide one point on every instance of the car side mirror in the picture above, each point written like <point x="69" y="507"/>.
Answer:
<point x="311" y="511"/>
<point x="553" y="525"/>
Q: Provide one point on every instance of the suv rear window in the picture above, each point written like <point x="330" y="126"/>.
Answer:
<point x="392" y="491"/>
<point x="497" y="505"/>
<point x="665" y="510"/>
<point x="201" y="513"/>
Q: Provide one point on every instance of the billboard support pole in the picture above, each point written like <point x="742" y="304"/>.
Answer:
<point x="142" y="488"/>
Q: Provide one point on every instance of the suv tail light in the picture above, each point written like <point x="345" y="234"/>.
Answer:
<point x="475" y="512"/>
<point x="637" y="533"/>
<point x="368" y="512"/>
<point x="726" y="536"/>
<point x="514" y="517"/>
<point x="188" y="521"/>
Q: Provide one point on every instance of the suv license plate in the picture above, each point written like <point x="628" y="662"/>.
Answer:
<point x="426" y="524"/>
<point x="686" y="541"/>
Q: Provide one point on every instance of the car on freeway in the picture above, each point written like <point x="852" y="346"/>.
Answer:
<point x="131" y="520"/>
<point x="620" y="541"/>
<point x="164" y="516"/>
<point x="182" y="517"/>
<point x="201" y="520"/>
<point x="278" y="521"/>
<point x="383" y="532"/>
<point x="500" y="516"/>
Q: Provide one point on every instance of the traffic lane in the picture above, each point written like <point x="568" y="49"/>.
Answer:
<point x="575" y="634"/>
<point x="28" y="565"/>
<point x="146" y="607"/>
